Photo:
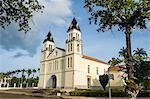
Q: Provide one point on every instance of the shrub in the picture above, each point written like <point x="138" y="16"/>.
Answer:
<point x="144" y="93"/>
<point x="101" y="93"/>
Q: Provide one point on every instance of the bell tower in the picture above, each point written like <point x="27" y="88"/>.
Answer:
<point x="73" y="53"/>
<point x="74" y="41"/>
<point x="48" y="46"/>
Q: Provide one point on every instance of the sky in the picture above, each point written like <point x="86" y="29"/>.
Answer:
<point x="18" y="51"/>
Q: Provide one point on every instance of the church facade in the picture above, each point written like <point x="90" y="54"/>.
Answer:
<point x="69" y="68"/>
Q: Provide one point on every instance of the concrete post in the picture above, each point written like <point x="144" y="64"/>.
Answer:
<point x="14" y="85"/>
<point x="32" y="84"/>
<point x="21" y="85"/>
<point x="27" y="85"/>
<point x="7" y="85"/>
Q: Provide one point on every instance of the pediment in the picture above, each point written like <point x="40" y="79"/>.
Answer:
<point x="57" y="52"/>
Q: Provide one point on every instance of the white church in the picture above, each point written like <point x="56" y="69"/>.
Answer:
<point x="69" y="68"/>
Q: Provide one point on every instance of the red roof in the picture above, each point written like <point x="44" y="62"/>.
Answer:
<point x="93" y="59"/>
<point x="116" y="68"/>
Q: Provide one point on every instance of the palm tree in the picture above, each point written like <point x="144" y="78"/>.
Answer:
<point x="8" y="73"/>
<point x="29" y="71"/>
<point x="114" y="61"/>
<point x="23" y="76"/>
<point x="18" y="71"/>
<point x="140" y="52"/>
<point x="34" y="71"/>
<point x="23" y="70"/>
<point x="123" y="53"/>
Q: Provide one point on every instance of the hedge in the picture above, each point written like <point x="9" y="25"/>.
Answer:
<point x="102" y="93"/>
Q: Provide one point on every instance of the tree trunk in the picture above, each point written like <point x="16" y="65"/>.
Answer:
<point x="130" y="66"/>
<point x="132" y="87"/>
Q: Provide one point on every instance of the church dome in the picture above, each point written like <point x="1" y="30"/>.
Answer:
<point x="49" y="37"/>
<point x="73" y="25"/>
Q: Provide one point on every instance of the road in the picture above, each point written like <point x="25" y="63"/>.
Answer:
<point x="20" y="96"/>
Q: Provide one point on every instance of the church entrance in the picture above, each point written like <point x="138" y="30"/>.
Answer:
<point x="54" y="81"/>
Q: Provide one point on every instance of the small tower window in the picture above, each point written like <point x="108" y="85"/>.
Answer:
<point x="71" y="46"/>
<point x="78" y="48"/>
<point x="68" y="62"/>
<point x="88" y="68"/>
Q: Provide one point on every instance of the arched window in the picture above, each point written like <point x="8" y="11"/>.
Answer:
<point x="68" y="47"/>
<point x="71" y="46"/>
<point x="76" y="36"/>
<point x="68" y="62"/>
<point x="88" y="68"/>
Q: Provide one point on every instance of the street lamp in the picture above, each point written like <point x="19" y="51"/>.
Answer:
<point x="110" y="76"/>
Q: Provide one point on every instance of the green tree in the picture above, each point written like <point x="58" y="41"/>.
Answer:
<point x="114" y="61"/>
<point x="18" y="71"/>
<point x="142" y="65"/>
<point x="123" y="53"/>
<point x="34" y="71"/>
<point x="126" y="15"/>
<point x="29" y="72"/>
<point x="19" y="11"/>
<point x="23" y="71"/>
<point x="140" y="54"/>
<point x="104" y="80"/>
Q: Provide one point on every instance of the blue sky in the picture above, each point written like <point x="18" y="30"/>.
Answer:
<point x="18" y="51"/>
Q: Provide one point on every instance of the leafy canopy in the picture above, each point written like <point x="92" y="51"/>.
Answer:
<point x="125" y="14"/>
<point x="19" y="11"/>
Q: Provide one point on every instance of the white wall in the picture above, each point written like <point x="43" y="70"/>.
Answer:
<point x="82" y="72"/>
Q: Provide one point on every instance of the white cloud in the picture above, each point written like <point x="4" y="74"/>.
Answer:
<point x="54" y="13"/>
